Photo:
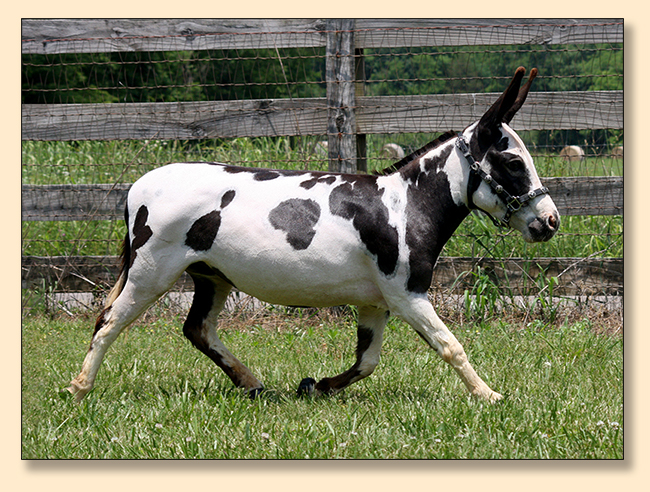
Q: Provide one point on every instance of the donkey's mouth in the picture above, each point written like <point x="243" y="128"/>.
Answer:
<point x="542" y="229"/>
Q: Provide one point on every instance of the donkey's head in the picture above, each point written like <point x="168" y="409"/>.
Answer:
<point x="502" y="180"/>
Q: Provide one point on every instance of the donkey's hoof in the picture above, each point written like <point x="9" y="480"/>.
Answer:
<point x="255" y="392"/>
<point x="76" y="391"/>
<point x="489" y="396"/>
<point x="306" y="387"/>
<point x="495" y="397"/>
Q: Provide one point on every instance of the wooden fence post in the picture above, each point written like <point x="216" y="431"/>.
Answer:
<point x="360" y="90"/>
<point x="340" y="77"/>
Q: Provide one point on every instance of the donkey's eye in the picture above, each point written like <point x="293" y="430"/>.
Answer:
<point x="513" y="165"/>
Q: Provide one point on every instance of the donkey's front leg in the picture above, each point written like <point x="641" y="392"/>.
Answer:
<point x="370" y="334"/>
<point x="423" y="318"/>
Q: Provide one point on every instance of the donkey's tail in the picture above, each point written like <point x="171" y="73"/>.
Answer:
<point x="124" y="270"/>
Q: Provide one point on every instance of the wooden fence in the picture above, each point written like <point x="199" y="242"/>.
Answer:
<point x="345" y="115"/>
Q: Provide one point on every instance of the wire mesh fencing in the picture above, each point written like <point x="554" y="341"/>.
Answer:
<point x="106" y="101"/>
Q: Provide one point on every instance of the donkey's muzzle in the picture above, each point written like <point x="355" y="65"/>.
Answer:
<point x="544" y="228"/>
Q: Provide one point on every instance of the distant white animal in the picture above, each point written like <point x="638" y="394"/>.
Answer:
<point x="392" y="151"/>
<point x="572" y="153"/>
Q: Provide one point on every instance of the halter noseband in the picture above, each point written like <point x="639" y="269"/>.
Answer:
<point x="477" y="174"/>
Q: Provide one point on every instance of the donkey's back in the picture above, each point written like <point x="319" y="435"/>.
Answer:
<point x="285" y="237"/>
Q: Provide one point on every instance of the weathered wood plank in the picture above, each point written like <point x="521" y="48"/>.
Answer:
<point x="602" y="195"/>
<point x="384" y="33"/>
<point x="308" y="116"/>
<point x="518" y="276"/>
<point x="178" y="120"/>
<point x="74" y="202"/>
<point x="44" y="36"/>
<point x="341" y="114"/>
<point x="514" y="276"/>
<point x="542" y="111"/>
<point x="70" y="274"/>
<point x="360" y="91"/>
<point x="573" y="196"/>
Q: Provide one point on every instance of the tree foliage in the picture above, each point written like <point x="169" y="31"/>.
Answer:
<point x="293" y="73"/>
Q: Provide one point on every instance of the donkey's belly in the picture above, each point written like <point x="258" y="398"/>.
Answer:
<point x="295" y="282"/>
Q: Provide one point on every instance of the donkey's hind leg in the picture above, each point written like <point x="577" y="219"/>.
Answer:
<point x="131" y="302"/>
<point x="210" y="292"/>
<point x="370" y="331"/>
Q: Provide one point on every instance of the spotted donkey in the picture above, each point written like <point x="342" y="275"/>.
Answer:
<point x="304" y="238"/>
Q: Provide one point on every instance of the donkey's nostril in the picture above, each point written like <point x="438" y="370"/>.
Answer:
<point x="552" y="221"/>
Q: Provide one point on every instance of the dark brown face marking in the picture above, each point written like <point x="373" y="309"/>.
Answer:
<point x="297" y="218"/>
<point x="227" y="197"/>
<point x="203" y="232"/>
<point x="502" y="144"/>
<point x="510" y="171"/>
<point x="141" y="232"/>
<point x="362" y="205"/>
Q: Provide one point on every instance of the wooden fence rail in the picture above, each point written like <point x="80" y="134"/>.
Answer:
<point x="344" y="115"/>
<point x="517" y="276"/>
<point x="310" y="116"/>
<point x="572" y="196"/>
<point x="42" y="36"/>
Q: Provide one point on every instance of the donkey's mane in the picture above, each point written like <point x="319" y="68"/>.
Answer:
<point x="417" y="154"/>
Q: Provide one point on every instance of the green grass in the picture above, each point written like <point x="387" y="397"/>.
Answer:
<point x="125" y="161"/>
<point x="157" y="397"/>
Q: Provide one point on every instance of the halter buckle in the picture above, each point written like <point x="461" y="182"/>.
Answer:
<point x="517" y="204"/>
<point x="461" y="143"/>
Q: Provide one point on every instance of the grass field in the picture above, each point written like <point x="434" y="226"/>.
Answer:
<point x="158" y="397"/>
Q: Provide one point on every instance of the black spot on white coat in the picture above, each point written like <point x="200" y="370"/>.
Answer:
<point x="227" y="197"/>
<point x="203" y="232"/>
<point x="362" y="205"/>
<point x="315" y="179"/>
<point x="297" y="218"/>
<point x="509" y="171"/>
<point x="141" y="232"/>
<point x="264" y="175"/>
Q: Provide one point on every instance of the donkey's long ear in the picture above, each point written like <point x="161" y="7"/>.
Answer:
<point x="523" y="93"/>
<point x="489" y="124"/>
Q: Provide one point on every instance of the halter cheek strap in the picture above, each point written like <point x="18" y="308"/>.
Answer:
<point x="478" y="175"/>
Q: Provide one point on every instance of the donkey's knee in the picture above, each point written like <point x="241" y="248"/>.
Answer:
<point x="453" y="353"/>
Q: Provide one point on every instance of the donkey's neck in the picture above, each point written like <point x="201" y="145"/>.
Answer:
<point x="434" y="210"/>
